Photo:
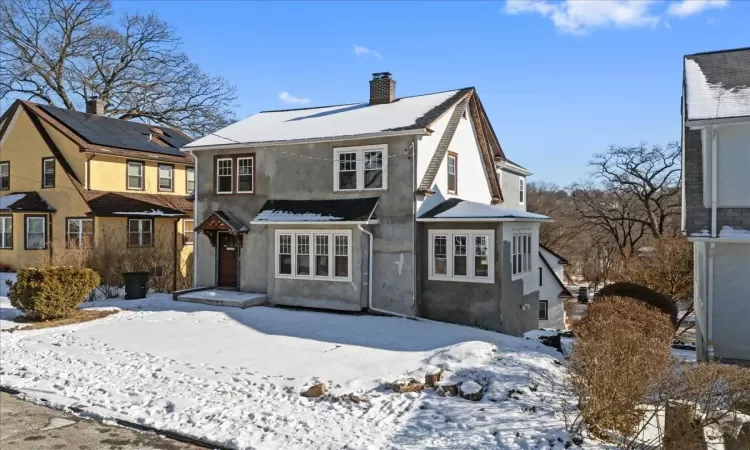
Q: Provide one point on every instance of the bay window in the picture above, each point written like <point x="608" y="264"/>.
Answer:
<point x="360" y="168"/>
<point x="462" y="255"/>
<point x="307" y="254"/>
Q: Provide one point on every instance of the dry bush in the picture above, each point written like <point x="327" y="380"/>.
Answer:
<point x="49" y="292"/>
<point x="620" y="358"/>
<point x="642" y="294"/>
<point x="107" y="260"/>
<point x="185" y="275"/>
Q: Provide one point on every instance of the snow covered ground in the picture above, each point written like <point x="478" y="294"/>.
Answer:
<point x="233" y="377"/>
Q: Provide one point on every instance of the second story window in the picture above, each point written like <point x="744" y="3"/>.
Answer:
<point x="190" y="180"/>
<point x="48" y="172"/>
<point x="245" y="174"/>
<point x="452" y="173"/>
<point x="521" y="190"/>
<point x="224" y="176"/>
<point x="4" y="175"/>
<point x="166" y="177"/>
<point x="360" y="168"/>
<point x="135" y="175"/>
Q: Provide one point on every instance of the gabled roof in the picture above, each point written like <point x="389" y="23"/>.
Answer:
<point x="220" y="220"/>
<point x="564" y="293"/>
<point x="317" y="211"/>
<point x="24" y="201"/>
<point x="353" y="120"/>
<point x="717" y="84"/>
<point x="457" y="209"/>
<point x="560" y="259"/>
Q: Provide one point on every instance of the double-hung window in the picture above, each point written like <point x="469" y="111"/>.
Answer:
<point x="521" y="252"/>
<point x="189" y="180"/>
<point x="166" y="177"/>
<point x="36" y="232"/>
<point x="462" y="255"/>
<point x="521" y="191"/>
<point x="187" y="231"/>
<point x="80" y="233"/>
<point x="314" y="255"/>
<point x="4" y="176"/>
<point x="452" y="173"/>
<point x="360" y="168"/>
<point x="6" y="231"/>
<point x="224" y="175"/>
<point x="135" y="175"/>
<point x="48" y="172"/>
<point x="543" y="309"/>
<point x="245" y="174"/>
<point x="140" y="232"/>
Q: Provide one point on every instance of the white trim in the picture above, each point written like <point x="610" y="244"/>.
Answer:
<point x="142" y="176"/>
<point x="234" y="145"/>
<point x="518" y="241"/>
<point x="187" y="171"/>
<point x="720" y="121"/>
<point x="252" y="175"/>
<point x="512" y="168"/>
<point x="192" y="239"/>
<point x="171" y="177"/>
<point x="3" y="230"/>
<point x="331" y="234"/>
<point x="481" y="219"/>
<point x="317" y="224"/>
<point x="44" y="233"/>
<point x="360" y="151"/>
<point x="231" y="175"/>
<point x="140" y="233"/>
<point x="470" y="276"/>
<point x="80" y="233"/>
<point x="455" y="174"/>
<point x="720" y="240"/>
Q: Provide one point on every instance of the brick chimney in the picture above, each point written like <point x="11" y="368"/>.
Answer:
<point x="382" y="88"/>
<point x="95" y="105"/>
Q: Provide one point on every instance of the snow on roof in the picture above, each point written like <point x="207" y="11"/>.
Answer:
<point x="285" y="216"/>
<point x="725" y="232"/>
<point x="7" y="201"/>
<point x="718" y="84"/>
<point x="456" y="208"/>
<point x="327" y="121"/>
<point x="150" y="212"/>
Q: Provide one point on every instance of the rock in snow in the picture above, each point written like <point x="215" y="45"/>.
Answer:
<point x="315" y="390"/>
<point x="471" y="390"/>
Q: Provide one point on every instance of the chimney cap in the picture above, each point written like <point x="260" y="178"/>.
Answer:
<point x="381" y="75"/>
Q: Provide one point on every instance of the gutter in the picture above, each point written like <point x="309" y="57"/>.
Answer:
<point x="481" y="219"/>
<point x="175" y="265"/>
<point x="717" y="121"/>
<point x="195" y="211"/>
<point x="319" y="223"/>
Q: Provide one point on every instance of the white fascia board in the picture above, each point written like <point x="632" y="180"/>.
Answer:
<point x="322" y="224"/>
<point x="720" y="240"/>
<point x="518" y="170"/>
<point x="700" y="123"/>
<point x="480" y="219"/>
<point x="240" y="145"/>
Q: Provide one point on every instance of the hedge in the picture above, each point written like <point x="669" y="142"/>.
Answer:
<point x="47" y="293"/>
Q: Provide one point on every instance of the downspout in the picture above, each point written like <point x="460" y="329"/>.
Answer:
<point x="175" y="258"/>
<point x="714" y="181"/>
<point x="712" y="247"/>
<point x="88" y="171"/>
<point x="195" y="211"/>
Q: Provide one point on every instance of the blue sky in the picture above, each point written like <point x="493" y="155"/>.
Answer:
<point x="560" y="81"/>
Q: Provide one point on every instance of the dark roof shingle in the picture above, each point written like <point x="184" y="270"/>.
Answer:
<point x="24" y="201"/>
<point x="325" y="211"/>
<point x="131" y="204"/>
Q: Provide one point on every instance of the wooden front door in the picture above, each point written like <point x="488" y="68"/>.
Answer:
<point x="227" y="260"/>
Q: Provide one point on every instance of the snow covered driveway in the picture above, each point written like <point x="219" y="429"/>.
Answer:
<point x="233" y="377"/>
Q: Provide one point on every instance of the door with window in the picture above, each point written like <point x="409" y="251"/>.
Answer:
<point x="227" y="260"/>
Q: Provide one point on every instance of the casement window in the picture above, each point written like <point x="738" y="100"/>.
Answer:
<point x="245" y="174"/>
<point x="36" y="233"/>
<point x="190" y="180"/>
<point x="452" y="173"/>
<point x="48" y="172"/>
<point x="521" y="252"/>
<point x="360" y="168"/>
<point x="462" y="255"/>
<point x="307" y="255"/>
<point x="543" y="309"/>
<point x="224" y="175"/>
<point x="135" y="175"/>
<point x="4" y="175"/>
<point x="166" y="177"/>
<point x="140" y="232"/>
<point x="187" y="232"/>
<point x="6" y="231"/>
<point x="79" y="233"/>
<point x="521" y="191"/>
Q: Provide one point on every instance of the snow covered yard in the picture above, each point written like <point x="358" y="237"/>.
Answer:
<point x="233" y="377"/>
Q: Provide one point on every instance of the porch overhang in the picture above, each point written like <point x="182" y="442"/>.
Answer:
<point x="220" y="221"/>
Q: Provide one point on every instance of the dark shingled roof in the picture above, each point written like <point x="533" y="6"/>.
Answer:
<point x="318" y="211"/>
<point x="135" y="204"/>
<point x="730" y="68"/>
<point x="109" y="132"/>
<point x="31" y="201"/>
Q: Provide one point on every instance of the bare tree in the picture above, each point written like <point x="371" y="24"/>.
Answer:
<point x="61" y="52"/>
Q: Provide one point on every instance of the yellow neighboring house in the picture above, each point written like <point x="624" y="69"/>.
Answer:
<point x="70" y="179"/>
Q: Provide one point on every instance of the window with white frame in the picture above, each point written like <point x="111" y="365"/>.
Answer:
<point x="452" y="173"/>
<point x="462" y="255"/>
<point x="360" y="168"/>
<point x="80" y="233"/>
<point x="188" y="232"/>
<point x="166" y="172"/>
<point x="224" y="176"/>
<point x="190" y="180"/>
<point x="6" y="232"/>
<point x="140" y="232"/>
<point x="48" y="172"/>
<point x="307" y="254"/>
<point x="543" y="309"/>
<point x="521" y="251"/>
<point x="4" y="175"/>
<point x="36" y="233"/>
<point x="245" y="174"/>
<point x="135" y="175"/>
<point x="521" y="190"/>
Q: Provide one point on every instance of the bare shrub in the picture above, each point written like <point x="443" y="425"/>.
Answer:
<point x="157" y="259"/>
<point x="642" y="294"/>
<point x="185" y="274"/>
<point x="620" y="358"/>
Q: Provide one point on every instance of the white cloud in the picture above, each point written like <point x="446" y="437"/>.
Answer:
<point x="286" y="97"/>
<point x="360" y="50"/>
<point x="686" y="8"/>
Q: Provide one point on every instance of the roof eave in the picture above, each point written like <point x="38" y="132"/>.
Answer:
<point x="716" y="121"/>
<point x="481" y="219"/>
<point x="511" y="167"/>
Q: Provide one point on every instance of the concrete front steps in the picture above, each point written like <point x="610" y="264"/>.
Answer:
<point x="222" y="297"/>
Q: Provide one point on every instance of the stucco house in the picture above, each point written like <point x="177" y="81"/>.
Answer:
<point x="390" y="205"/>
<point x="716" y="198"/>
<point x="70" y="179"/>
<point x="552" y="290"/>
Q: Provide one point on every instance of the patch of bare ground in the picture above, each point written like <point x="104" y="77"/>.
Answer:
<point x="79" y="316"/>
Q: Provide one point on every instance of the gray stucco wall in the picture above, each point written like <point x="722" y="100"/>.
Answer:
<point x="495" y="306"/>
<point x="510" y="186"/>
<point x="698" y="217"/>
<point x="282" y="175"/>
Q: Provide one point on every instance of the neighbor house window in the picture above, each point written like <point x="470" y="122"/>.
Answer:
<point x="521" y="190"/>
<point x="48" y="172"/>
<point x="166" y="175"/>
<point x="452" y="173"/>
<point x="140" y="232"/>
<point x="6" y="231"/>
<point x="4" y="175"/>
<point x="135" y="175"/>
<point x="360" y="168"/>
<point x="224" y="175"/>
<point x="462" y="255"/>
<point x="521" y="251"/>
<point x="245" y="174"/>
<point x="187" y="232"/>
<point x="308" y="254"/>
<point x="36" y="232"/>
<point x="190" y="180"/>
<point x="80" y="233"/>
<point x="543" y="309"/>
